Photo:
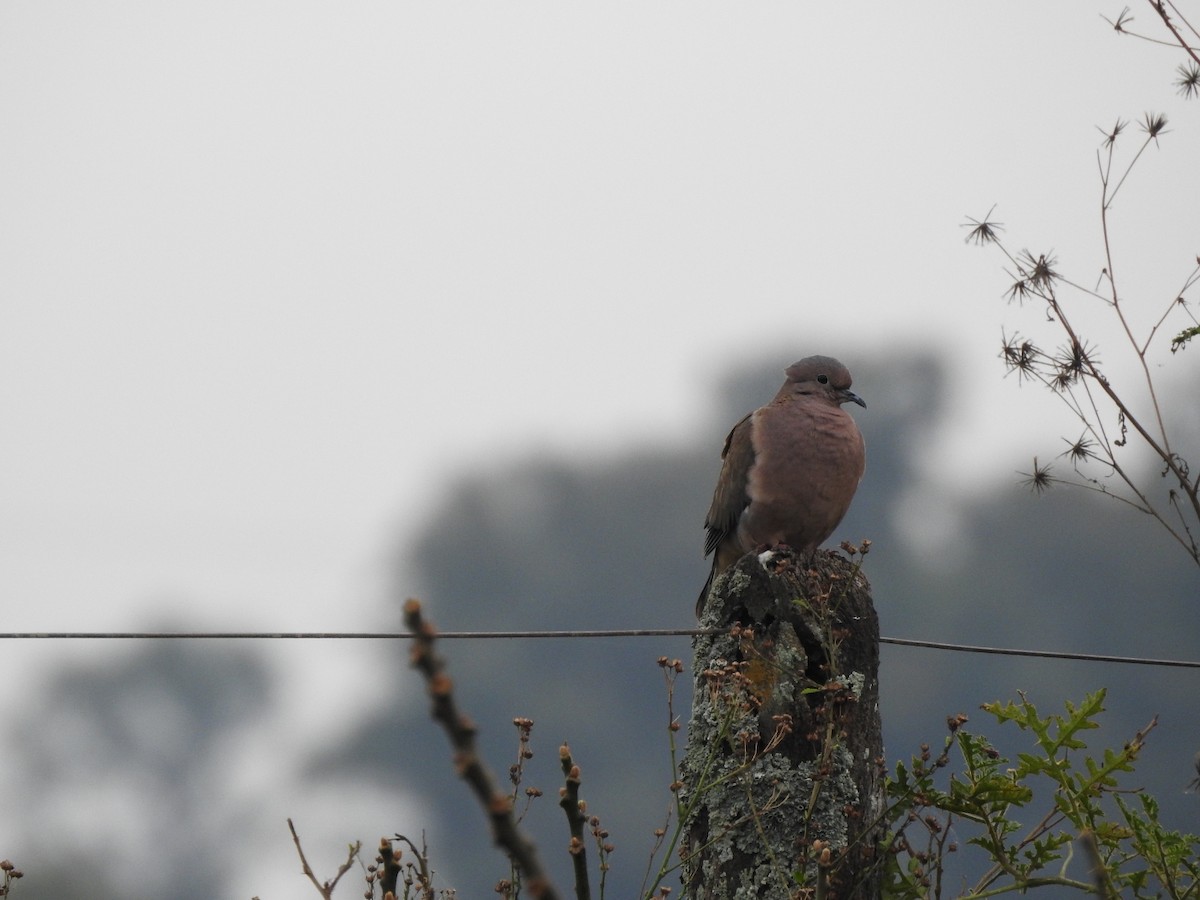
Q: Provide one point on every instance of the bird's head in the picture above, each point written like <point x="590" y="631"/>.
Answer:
<point x="821" y="376"/>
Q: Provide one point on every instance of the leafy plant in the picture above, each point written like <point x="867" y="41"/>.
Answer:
<point x="1122" y="844"/>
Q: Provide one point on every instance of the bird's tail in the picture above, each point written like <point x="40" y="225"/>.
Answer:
<point x="712" y="574"/>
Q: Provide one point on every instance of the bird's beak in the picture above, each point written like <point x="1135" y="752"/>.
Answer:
<point x="848" y="396"/>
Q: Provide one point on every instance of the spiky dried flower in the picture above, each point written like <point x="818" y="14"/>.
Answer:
<point x="1110" y="136"/>
<point x="1122" y="20"/>
<point x="1020" y="356"/>
<point x="1040" y="479"/>
<point x="1020" y="290"/>
<point x="1080" y="450"/>
<point x="983" y="231"/>
<point x="1189" y="80"/>
<point x="1062" y="380"/>
<point x="1039" y="271"/>
<point x="1071" y="362"/>
<point x="1077" y="357"/>
<point x="1154" y="124"/>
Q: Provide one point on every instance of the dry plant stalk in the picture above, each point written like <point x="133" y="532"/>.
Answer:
<point x="1074" y="372"/>
<point x="496" y="803"/>
<point x="325" y="889"/>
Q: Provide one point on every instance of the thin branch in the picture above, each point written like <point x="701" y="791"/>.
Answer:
<point x="1124" y="19"/>
<point x="1160" y="9"/>
<point x="325" y="889"/>
<point x="1108" y="198"/>
<point x="1164" y="453"/>
<point x="461" y="731"/>
<point x="1183" y="19"/>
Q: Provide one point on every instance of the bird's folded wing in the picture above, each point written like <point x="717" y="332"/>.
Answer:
<point x="730" y="497"/>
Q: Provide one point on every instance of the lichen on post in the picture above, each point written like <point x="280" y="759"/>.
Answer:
<point x="783" y="775"/>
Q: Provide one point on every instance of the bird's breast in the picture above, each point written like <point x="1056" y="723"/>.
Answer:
<point x="807" y="464"/>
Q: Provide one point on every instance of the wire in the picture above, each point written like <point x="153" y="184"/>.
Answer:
<point x="347" y="635"/>
<point x="609" y="633"/>
<point x="1048" y="654"/>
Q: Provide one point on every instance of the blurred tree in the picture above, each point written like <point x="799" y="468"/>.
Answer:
<point x="123" y="787"/>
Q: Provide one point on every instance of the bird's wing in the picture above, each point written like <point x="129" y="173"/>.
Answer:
<point x="730" y="497"/>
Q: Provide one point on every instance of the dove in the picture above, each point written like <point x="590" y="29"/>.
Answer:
<point x="789" y="470"/>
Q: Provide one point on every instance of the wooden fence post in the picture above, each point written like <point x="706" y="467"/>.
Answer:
<point x="784" y="772"/>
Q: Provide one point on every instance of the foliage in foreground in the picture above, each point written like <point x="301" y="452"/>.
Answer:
<point x="1093" y="835"/>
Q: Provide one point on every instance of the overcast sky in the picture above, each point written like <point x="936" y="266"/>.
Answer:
<point x="271" y="274"/>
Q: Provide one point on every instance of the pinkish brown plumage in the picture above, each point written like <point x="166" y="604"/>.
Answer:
<point x="790" y="469"/>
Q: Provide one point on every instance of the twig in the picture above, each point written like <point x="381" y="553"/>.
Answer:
<point x="421" y="870"/>
<point x="1160" y="7"/>
<point x="461" y="732"/>
<point x="326" y="889"/>
<point x="1076" y="369"/>
<point x="568" y="799"/>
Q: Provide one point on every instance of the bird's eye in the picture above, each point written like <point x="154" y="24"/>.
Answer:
<point x="823" y="379"/>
